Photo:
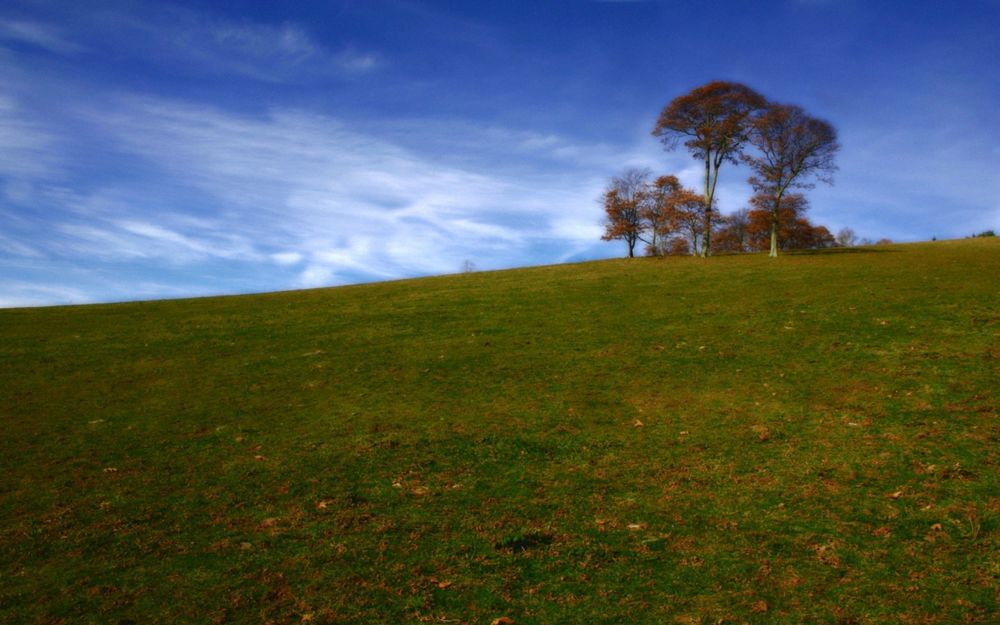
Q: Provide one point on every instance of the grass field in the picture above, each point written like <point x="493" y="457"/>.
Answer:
<point x="808" y="440"/>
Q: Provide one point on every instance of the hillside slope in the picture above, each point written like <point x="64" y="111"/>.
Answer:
<point x="812" y="439"/>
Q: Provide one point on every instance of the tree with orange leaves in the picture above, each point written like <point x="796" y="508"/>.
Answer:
<point x="639" y="211"/>
<point x="714" y="121"/>
<point x="733" y="233"/>
<point x="671" y="209"/>
<point x="655" y="212"/>
<point x="794" y="232"/>
<point x="623" y="207"/>
<point x="793" y="147"/>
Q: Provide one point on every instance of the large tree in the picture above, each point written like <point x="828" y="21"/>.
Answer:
<point x="792" y="149"/>
<point x="623" y="206"/>
<point x="713" y="121"/>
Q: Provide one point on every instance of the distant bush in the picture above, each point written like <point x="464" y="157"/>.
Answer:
<point x="883" y="241"/>
<point x="986" y="233"/>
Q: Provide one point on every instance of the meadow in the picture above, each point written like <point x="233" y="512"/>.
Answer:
<point x="810" y="439"/>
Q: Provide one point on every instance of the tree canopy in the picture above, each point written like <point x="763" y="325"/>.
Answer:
<point x="727" y="122"/>
<point x="714" y="123"/>
<point x="791" y="148"/>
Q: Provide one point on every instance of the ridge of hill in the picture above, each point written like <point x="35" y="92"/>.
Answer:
<point x="807" y="439"/>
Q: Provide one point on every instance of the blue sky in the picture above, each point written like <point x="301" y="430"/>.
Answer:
<point x="157" y="149"/>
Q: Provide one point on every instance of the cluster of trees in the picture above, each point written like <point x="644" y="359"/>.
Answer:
<point x="660" y="217"/>
<point x="718" y="123"/>
<point x="752" y="229"/>
<point x="847" y="238"/>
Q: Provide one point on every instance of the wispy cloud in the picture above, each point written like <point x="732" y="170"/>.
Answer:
<point x="310" y="194"/>
<point x="355" y="61"/>
<point x="27" y="147"/>
<point x="272" y="53"/>
<point x="17" y="293"/>
<point x="36" y="34"/>
<point x="204" y="43"/>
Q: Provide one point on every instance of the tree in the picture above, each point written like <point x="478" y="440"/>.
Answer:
<point x="687" y="218"/>
<point x="763" y="218"/>
<point x="793" y="147"/>
<point x="670" y="209"/>
<point x="714" y="122"/>
<point x="846" y="237"/>
<point x="795" y="232"/>
<point x="623" y="200"/>
<point x="655" y="213"/>
<point x="822" y="238"/>
<point x="678" y="246"/>
<point x="733" y="235"/>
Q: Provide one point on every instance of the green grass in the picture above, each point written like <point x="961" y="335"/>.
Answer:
<point x="808" y="440"/>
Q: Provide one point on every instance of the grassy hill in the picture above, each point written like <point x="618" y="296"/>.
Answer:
<point x="808" y="440"/>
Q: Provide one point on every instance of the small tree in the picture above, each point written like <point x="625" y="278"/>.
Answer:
<point x="623" y="204"/>
<point x="714" y="122"/>
<point x="846" y="237"/>
<point x="656" y="212"/>
<point x="671" y="209"/>
<point x="793" y="147"/>
<point x="822" y="238"/>
<point x="733" y="234"/>
<point x="689" y="217"/>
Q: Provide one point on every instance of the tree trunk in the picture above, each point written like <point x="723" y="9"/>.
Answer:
<point x="774" y="224"/>
<point x="709" y="190"/>
<point x="706" y="237"/>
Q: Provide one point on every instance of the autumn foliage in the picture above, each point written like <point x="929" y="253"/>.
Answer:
<point x="624" y="201"/>
<point x="726" y="122"/>
<point x="795" y="231"/>
<point x="660" y="214"/>
<point x="791" y="149"/>
<point x="714" y="123"/>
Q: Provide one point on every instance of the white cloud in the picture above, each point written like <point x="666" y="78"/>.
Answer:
<point x="27" y="148"/>
<point x="205" y="43"/>
<point x="14" y="247"/>
<point x="316" y="275"/>
<point x="36" y="34"/>
<point x="356" y="62"/>
<point x="303" y="188"/>
<point x="287" y="259"/>
<point x="266" y="52"/>
<point x="263" y="41"/>
<point x="115" y="232"/>
<point x="17" y="294"/>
